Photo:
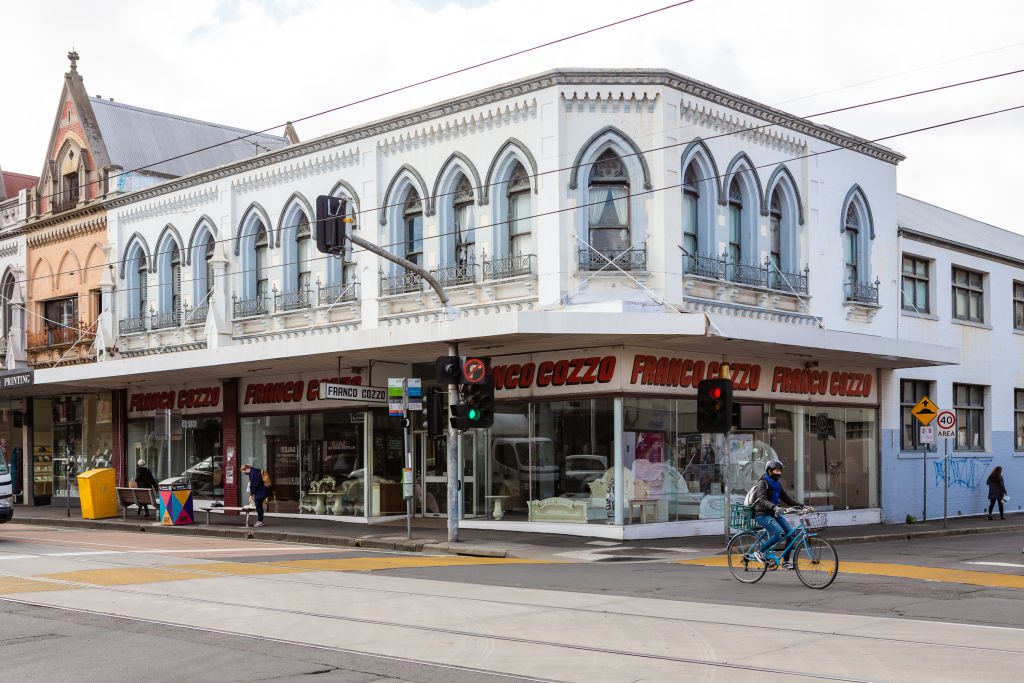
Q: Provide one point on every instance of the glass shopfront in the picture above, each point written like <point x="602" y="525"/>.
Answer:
<point x="554" y="461"/>
<point x="316" y="461"/>
<point x="71" y="434"/>
<point x="11" y="443"/>
<point x="177" y="432"/>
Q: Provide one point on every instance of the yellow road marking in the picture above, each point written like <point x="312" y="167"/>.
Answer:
<point x="20" y="585"/>
<point x="233" y="569"/>
<point x="369" y="564"/>
<point x="903" y="571"/>
<point x="121" y="577"/>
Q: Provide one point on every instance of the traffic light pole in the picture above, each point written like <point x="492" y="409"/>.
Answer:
<point x="453" y="458"/>
<point x="450" y="310"/>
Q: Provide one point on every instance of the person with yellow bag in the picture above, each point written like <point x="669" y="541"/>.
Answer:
<point x="259" y="489"/>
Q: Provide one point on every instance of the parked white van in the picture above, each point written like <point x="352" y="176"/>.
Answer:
<point x="6" y="492"/>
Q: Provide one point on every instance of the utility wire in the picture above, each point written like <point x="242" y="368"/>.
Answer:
<point x="653" y="190"/>
<point x="485" y="186"/>
<point x="408" y="86"/>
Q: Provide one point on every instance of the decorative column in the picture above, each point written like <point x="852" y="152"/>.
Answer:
<point x="229" y="442"/>
<point x="119" y="435"/>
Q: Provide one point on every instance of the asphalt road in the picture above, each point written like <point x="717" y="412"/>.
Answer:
<point x="112" y="606"/>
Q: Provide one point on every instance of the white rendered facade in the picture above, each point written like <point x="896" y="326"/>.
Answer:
<point x="606" y="156"/>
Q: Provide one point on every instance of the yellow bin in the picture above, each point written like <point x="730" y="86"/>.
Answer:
<point x="97" y="492"/>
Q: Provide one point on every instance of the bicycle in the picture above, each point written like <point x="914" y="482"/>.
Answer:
<point x="814" y="559"/>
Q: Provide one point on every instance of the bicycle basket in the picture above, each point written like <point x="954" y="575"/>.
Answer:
<point x="815" y="521"/>
<point x="741" y="517"/>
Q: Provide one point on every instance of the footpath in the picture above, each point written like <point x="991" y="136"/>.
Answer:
<point x="429" y="535"/>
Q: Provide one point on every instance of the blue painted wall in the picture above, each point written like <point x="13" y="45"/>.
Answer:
<point x="903" y="489"/>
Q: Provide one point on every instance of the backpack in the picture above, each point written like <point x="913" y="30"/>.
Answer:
<point x="748" y="500"/>
<point x="265" y="477"/>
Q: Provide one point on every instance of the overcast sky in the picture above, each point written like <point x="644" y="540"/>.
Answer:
<point x="259" y="63"/>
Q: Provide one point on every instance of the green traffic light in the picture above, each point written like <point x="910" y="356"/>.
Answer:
<point x="474" y="414"/>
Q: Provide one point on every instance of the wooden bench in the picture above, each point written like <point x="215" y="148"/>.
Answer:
<point x="132" y="496"/>
<point x="247" y="510"/>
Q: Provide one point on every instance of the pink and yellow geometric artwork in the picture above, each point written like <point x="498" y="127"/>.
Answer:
<point x="176" y="507"/>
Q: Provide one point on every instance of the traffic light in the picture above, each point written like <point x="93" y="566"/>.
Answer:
<point x="714" y="406"/>
<point x="475" y="408"/>
<point x="448" y="370"/>
<point x="332" y="222"/>
<point x="437" y="410"/>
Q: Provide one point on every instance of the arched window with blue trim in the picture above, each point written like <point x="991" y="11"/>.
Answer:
<point x="412" y="227"/>
<point x="608" y="208"/>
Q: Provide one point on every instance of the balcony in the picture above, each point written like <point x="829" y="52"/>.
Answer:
<point x="65" y="335"/>
<point x="459" y="274"/>
<point x="65" y="202"/>
<point x="336" y="294"/>
<point x="766" y="276"/>
<point x="161" y="321"/>
<point x="400" y="283"/>
<point x="510" y="266"/>
<point x="133" y="325"/>
<point x="196" y="316"/>
<point x="860" y="293"/>
<point x="249" y="307"/>
<point x="632" y="259"/>
<point x="295" y="300"/>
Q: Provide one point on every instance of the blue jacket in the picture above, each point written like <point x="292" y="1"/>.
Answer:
<point x="256" y="487"/>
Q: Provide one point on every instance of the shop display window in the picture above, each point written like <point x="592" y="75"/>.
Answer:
<point x="195" y="454"/>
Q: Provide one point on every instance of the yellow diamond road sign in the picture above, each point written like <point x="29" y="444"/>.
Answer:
<point x="925" y="411"/>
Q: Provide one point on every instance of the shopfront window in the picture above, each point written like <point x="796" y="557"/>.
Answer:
<point x="554" y="461"/>
<point x="11" y="421"/>
<point x="71" y="434"/>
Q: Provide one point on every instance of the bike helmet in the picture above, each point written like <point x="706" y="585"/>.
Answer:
<point x="772" y="465"/>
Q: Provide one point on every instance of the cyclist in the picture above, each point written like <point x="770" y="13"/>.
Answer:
<point x="767" y="495"/>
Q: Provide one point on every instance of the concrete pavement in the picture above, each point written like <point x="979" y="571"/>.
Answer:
<point x="430" y="535"/>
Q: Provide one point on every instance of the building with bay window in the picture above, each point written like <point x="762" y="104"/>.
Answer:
<point x="608" y="239"/>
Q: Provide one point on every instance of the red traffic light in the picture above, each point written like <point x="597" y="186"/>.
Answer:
<point x="715" y="392"/>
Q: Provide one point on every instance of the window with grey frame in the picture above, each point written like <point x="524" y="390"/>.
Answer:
<point x="911" y="392"/>
<point x="969" y="404"/>
<point x="7" y="291"/>
<point x="303" y="251"/>
<point x="1018" y="305"/>
<point x="262" y="264"/>
<point x="520" y="220"/>
<point x="412" y="222"/>
<point x="1018" y="419"/>
<point x="914" y="285"/>
<point x="142" y="283"/>
<point x="851" y="246"/>
<point x="609" y="206"/>
<point x="968" y="295"/>
<point x="735" y="222"/>
<point x="775" y="237"/>
<point x="176" y="283"/>
<point x="462" y="207"/>
<point x="691" y="203"/>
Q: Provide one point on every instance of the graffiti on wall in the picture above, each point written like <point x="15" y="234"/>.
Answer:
<point x="967" y="473"/>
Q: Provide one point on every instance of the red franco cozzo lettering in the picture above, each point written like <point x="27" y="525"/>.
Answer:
<point x="561" y="373"/>
<point x="591" y="374"/>
<point x="544" y="372"/>
<point x="606" y="371"/>
<point x="526" y="375"/>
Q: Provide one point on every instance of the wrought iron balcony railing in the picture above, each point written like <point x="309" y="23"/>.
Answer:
<point x="400" y="283"/>
<point x="60" y="336"/>
<point x="163" y="320"/>
<point x="64" y="203"/>
<point x="509" y="266"/>
<point x="336" y="294"/>
<point x="250" y="306"/>
<point x="195" y="316"/>
<point x="705" y="266"/>
<point x="632" y="259"/>
<point x="294" y="300"/>
<point x="133" y="325"/>
<point x="459" y="274"/>
<point x="862" y="293"/>
<point x="766" y="275"/>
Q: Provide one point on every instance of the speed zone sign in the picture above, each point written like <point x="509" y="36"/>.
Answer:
<point x="946" y="422"/>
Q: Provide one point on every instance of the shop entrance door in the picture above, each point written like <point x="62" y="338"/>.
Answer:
<point x="431" y="476"/>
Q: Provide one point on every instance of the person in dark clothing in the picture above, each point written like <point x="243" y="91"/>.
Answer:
<point x="768" y="494"/>
<point x="257" y="491"/>
<point x="145" y="479"/>
<point x="996" y="491"/>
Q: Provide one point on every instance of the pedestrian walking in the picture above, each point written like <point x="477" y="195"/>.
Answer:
<point x="145" y="480"/>
<point x="996" y="491"/>
<point x="258" y="490"/>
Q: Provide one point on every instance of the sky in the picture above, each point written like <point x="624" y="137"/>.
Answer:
<point x="256" y="64"/>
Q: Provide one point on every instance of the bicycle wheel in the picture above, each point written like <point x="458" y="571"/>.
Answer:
<point x="816" y="562"/>
<point x="742" y="564"/>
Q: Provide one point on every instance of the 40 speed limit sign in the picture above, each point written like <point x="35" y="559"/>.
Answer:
<point x="946" y="422"/>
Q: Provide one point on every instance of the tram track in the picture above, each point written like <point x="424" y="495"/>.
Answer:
<point x="798" y="632"/>
<point x="827" y="637"/>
